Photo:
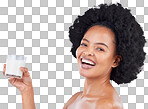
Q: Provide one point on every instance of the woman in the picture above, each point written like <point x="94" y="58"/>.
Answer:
<point x="108" y="44"/>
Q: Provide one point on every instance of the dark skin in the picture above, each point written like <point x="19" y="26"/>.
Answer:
<point x="25" y="87"/>
<point x="98" y="92"/>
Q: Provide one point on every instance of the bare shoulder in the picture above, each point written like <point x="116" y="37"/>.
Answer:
<point x="72" y="99"/>
<point x="109" y="104"/>
<point x="110" y="101"/>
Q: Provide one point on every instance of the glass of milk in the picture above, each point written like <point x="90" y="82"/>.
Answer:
<point x="13" y="64"/>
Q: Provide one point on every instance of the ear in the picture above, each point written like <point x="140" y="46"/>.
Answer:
<point x="116" y="61"/>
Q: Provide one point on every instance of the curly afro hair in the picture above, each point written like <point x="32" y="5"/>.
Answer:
<point x="129" y="38"/>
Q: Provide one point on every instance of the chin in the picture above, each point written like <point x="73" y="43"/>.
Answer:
<point x="87" y="74"/>
<point x="82" y="73"/>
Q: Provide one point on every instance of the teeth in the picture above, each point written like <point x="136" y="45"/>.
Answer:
<point x="86" y="61"/>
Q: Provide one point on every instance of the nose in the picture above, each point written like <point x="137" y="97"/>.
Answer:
<point x="89" y="53"/>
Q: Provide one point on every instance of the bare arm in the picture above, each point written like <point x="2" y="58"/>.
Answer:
<point x="28" y="99"/>
<point x="25" y="87"/>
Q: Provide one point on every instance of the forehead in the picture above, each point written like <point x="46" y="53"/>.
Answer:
<point x="100" y="34"/>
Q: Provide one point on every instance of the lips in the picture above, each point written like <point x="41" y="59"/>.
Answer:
<point x="87" y="59"/>
<point x="86" y="66"/>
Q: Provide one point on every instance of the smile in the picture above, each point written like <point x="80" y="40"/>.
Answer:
<point x="86" y="65"/>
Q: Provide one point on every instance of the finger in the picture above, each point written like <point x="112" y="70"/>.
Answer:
<point x="9" y="78"/>
<point x="4" y="69"/>
<point x="25" y="71"/>
<point x="22" y="69"/>
<point x="12" y="80"/>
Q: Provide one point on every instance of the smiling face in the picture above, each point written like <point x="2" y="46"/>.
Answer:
<point x="100" y="42"/>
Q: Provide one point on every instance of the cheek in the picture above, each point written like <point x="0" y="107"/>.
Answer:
<point x="78" y="51"/>
<point x="102" y="56"/>
<point x="105" y="60"/>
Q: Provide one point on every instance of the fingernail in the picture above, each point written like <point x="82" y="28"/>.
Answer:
<point x="9" y="78"/>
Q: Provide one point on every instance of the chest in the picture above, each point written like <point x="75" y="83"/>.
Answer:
<point x="82" y="104"/>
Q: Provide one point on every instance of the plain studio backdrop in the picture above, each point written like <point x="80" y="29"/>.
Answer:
<point x="38" y="29"/>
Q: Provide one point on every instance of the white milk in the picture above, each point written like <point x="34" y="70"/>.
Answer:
<point x="13" y="68"/>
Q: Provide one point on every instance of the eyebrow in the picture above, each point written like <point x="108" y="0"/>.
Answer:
<point x="96" y="43"/>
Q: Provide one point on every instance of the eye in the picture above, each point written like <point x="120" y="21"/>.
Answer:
<point x="83" y="44"/>
<point x="100" y="49"/>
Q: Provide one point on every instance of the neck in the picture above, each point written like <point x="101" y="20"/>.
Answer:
<point x="96" y="86"/>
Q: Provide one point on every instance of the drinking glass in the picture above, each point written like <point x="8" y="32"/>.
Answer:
<point x="13" y="64"/>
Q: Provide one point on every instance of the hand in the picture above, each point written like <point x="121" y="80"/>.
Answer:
<point x="22" y="84"/>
